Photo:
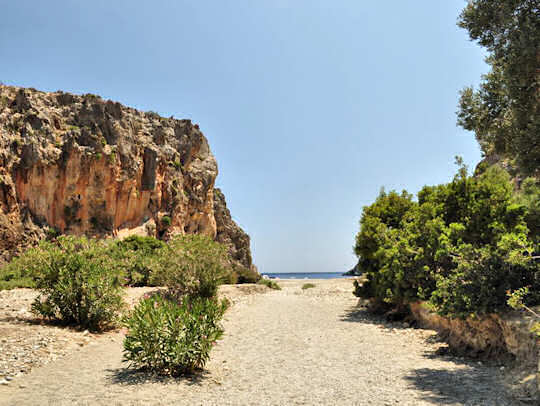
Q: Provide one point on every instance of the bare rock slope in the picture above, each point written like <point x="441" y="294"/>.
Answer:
<point x="83" y="165"/>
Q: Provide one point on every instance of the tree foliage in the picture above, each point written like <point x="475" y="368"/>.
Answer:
<point x="504" y="111"/>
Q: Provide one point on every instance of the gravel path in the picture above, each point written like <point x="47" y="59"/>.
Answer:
<point x="280" y="348"/>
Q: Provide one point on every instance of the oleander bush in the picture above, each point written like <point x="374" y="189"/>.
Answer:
<point x="269" y="283"/>
<point x="191" y="265"/>
<point x="135" y="256"/>
<point x="78" y="282"/>
<point x="461" y="246"/>
<point x="246" y="275"/>
<point x="172" y="338"/>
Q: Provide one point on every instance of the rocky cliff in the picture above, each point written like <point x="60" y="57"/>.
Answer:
<point x="229" y="233"/>
<point x="84" y="165"/>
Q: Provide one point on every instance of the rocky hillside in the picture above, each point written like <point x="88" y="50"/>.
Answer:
<point x="84" y="165"/>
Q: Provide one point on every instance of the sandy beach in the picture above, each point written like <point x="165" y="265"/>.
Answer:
<point x="294" y="346"/>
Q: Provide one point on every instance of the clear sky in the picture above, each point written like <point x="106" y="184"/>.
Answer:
<point x="309" y="106"/>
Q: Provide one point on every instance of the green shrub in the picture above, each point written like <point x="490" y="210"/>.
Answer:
<point x="246" y="275"/>
<point x="462" y="246"/>
<point x="483" y="275"/>
<point x="166" y="221"/>
<point x="11" y="281"/>
<point x="230" y="278"/>
<point x="170" y="338"/>
<point x="135" y="256"/>
<point x="192" y="265"/>
<point x="77" y="281"/>
<point x="269" y="283"/>
<point x="308" y="286"/>
<point x="21" y="272"/>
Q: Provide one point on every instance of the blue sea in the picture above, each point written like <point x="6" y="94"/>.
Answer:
<point x="302" y="275"/>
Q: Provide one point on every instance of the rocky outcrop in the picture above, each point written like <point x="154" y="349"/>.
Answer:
<point x="354" y="271"/>
<point x="84" y="165"/>
<point x="229" y="233"/>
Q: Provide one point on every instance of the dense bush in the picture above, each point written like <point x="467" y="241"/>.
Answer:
<point x="78" y="281"/>
<point x="269" y="283"/>
<point x="308" y="286"/>
<point x="461" y="246"/>
<point x="246" y="275"/>
<point x="192" y="265"/>
<point x="170" y="338"/>
<point x="135" y="256"/>
<point x="188" y="264"/>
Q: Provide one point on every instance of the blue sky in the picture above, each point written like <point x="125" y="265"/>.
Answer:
<point x="309" y="106"/>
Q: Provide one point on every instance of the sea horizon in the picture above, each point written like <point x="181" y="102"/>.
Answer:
<point x="304" y="275"/>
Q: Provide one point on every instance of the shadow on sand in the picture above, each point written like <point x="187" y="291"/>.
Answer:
<point x="360" y="314"/>
<point x="129" y="376"/>
<point x="442" y="386"/>
<point x="470" y="386"/>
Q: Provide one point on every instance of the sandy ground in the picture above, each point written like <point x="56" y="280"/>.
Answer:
<point x="283" y="347"/>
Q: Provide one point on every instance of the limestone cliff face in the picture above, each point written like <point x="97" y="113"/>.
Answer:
<point x="84" y="165"/>
<point x="229" y="233"/>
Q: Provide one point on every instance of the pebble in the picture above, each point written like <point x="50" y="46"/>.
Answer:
<point x="4" y="382"/>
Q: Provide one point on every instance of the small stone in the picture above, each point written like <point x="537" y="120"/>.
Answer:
<point x="8" y="378"/>
<point x="4" y="382"/>
<point x="502" y="368"/>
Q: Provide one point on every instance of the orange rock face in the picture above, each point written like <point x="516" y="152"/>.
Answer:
<point x="84" y="165"/>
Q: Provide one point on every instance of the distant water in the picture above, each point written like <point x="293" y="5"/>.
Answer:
<point x="302" y="275"/>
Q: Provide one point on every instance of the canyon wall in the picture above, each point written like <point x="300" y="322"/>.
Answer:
<point x="83" y="165"/>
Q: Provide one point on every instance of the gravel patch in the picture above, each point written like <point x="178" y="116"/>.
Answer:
<point x="285" y="347"/>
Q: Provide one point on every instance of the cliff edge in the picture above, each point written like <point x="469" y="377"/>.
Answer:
<point x="83" y="165"/>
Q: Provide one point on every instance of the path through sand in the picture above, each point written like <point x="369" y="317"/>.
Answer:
<point x="280" y="348"/>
